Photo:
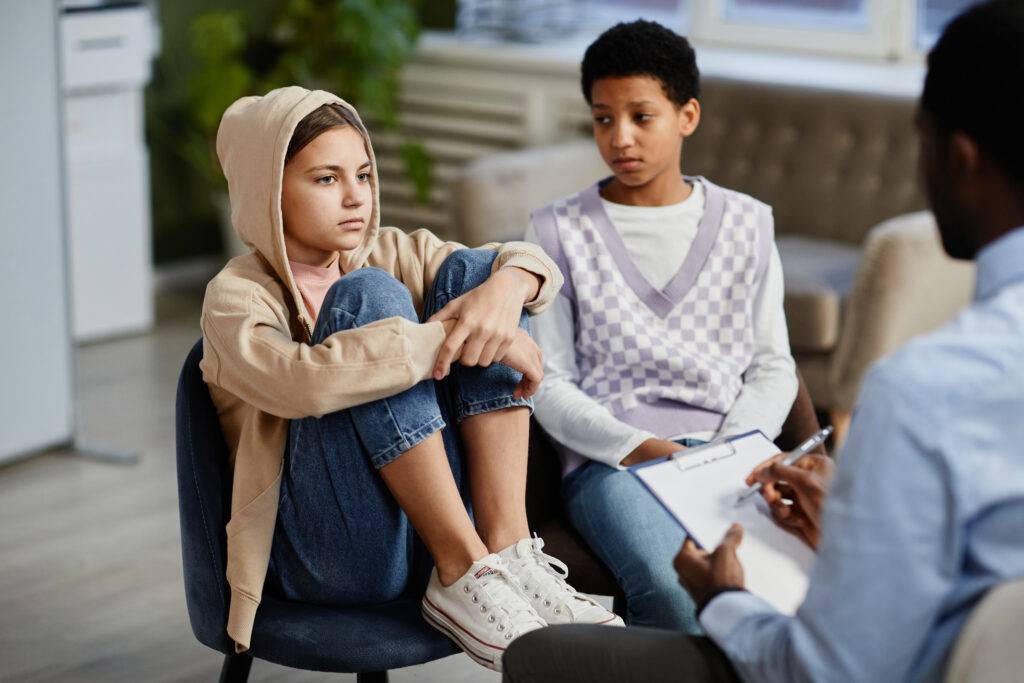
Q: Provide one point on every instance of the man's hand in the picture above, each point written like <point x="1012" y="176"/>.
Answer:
<point x="702" y="573"/>
<point x="651" y="449"/>
<point x="487" y="320"/>
<point x="803" y="484"/>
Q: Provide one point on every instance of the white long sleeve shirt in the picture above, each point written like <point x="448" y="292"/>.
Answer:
<point x="658" y="239"/>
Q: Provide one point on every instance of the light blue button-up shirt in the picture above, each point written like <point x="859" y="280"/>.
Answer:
<point x="926" y="513"/>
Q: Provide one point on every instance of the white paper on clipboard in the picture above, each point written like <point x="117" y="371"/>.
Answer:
<point x="700" y="489"/>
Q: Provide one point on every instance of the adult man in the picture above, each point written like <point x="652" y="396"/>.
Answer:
<point x="924" y="514"/>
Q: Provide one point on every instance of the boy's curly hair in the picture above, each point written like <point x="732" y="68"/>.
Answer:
<point x="643" y="48"/>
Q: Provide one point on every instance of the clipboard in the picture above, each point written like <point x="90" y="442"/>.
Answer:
<point x="700" y="486"/>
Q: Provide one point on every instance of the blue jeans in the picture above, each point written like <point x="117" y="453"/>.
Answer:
<point x="341" y="539"/>
<point x="636" y="538"/>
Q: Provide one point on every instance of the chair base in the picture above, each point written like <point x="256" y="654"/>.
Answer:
<point x="236" y="670"/>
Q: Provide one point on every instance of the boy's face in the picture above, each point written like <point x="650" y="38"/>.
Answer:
<point x="638" y="129"/>
<point x="326" y="197"/>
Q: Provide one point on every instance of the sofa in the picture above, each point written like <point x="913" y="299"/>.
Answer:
<point x="863" y="262"/>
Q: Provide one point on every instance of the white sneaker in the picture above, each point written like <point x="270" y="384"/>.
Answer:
<point x="542" y="579"/>
<point x="483" y="612"/>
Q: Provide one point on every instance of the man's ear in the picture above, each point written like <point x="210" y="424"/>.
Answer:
<point x="689" y="117"/>
<point x="964" y="155"/>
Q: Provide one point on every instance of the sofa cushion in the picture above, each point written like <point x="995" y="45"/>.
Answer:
<point x="819" y="274"/>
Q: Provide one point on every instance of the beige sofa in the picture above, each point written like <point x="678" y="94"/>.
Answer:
<point x="863" y="263"/>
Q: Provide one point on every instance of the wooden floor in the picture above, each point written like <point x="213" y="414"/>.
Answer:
<point x="90" y="564"/>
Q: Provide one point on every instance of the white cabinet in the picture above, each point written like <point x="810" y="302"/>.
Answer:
<point x="35" y="345"/>
<point x="105" y="55"/>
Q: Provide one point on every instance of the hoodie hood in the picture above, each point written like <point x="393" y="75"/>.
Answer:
<point x="252" y="141"/>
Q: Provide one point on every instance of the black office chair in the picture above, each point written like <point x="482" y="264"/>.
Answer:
<point x="366" y="640"/>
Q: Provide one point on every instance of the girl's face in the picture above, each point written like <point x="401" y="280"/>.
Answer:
<point x="638" y="129"/>
<point x="326" y="197"/>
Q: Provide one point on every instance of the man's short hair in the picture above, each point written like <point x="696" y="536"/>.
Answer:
<point x="975" y="77"/>
<point x="643" y="48"/>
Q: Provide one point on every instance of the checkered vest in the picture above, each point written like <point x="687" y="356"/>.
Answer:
<point x="690" y="342"/>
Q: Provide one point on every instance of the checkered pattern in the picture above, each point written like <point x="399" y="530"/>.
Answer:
<point x="697" y="354"/>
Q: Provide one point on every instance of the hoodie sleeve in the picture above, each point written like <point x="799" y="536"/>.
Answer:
<point x="416" y="257"/>
<point x="249" y="352"/>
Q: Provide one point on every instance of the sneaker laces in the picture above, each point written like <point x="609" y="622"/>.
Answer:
<point x="546" y="578"/>
<point x="502" y="590"/>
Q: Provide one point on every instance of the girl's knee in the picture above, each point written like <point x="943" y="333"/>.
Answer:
<point x="465" y="269"/>
<point x="370" y="294"/>
<point x="367" y="278"/>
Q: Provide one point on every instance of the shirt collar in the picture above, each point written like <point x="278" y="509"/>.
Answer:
<point x="999" y="264"/>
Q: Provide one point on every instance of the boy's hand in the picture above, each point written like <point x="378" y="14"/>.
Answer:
<point x="804" y="484"/>
<point x="702" y="573"/>
<point x="651" y="449"/>
<point x="487" y="320"/>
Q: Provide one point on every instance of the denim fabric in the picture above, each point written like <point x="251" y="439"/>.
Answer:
<point x="340" y="538"/>
<point x="636" y="538"/>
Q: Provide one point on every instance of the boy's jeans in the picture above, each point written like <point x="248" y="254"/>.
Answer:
<point x="341" y="539"/>
<point x="636" y="538"/>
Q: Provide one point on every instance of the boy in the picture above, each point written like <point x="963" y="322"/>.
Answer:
<point x="669" y="330"/>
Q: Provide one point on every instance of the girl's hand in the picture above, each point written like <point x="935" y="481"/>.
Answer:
<point x="525" y="356"/>
<point x="486" y="321"/>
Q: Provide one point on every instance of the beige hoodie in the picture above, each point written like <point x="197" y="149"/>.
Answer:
<point x="257" y="358"/>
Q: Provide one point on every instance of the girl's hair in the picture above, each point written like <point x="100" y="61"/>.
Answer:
<point x="316" y="122"/>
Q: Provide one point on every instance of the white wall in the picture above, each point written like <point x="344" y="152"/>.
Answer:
<point x="35" y="349"/>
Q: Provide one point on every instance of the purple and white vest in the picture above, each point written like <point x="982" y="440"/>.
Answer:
<point x="668" y="361"/>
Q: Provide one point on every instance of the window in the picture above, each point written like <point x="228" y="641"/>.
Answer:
<point x="867" y="28"/>
<point x="811" y="13"/>
<point x="605" y="13"/>
<point x="889" y="29"/>
<point x="895" y="30"/>
<point x="533" y="20"/>
<point x="932" y="17"/>
<point x="637" y="8"/>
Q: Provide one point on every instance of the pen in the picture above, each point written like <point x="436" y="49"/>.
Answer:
<point x="791" y="457"/>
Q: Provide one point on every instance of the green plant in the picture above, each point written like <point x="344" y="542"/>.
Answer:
<point x="355" y="48"/>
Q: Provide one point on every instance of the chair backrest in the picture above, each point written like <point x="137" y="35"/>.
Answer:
<point x="204" y="498"/>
